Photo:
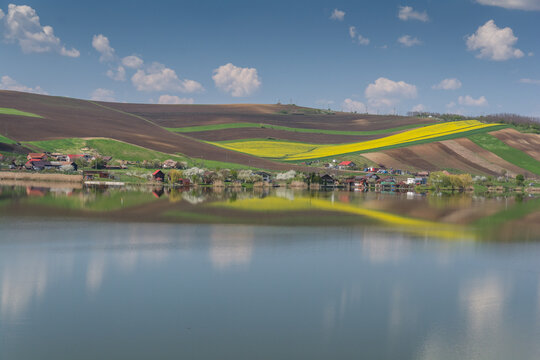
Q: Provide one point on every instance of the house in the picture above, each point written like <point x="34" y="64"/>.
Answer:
<point x="158" y="175"/>
<point x="422" y="174"/>
<point x="170" y="164"/>
<point x="37" y="156"/>
<point x="357" y="182"/>
<point x="346" y="165"/>
<point x="92" y="174"/>
<point x="327" y="180"/>
<point x="371" y="169"/>
<point x="266" y="177"/>
<point x="410" y="181"/>
<point x="39" y="165"/>
<point x="59" y="164"/>
<point x="59" y="157"/>
<point x="1" y="157"/>
<point x="419" y="180"/>
<point x="73" y="157"/>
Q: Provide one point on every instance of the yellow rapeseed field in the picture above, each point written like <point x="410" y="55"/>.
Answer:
<point x="286" y="150"/>
<point x="402" y="223"/>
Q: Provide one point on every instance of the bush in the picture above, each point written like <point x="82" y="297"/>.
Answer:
<point x="174" y="176"/>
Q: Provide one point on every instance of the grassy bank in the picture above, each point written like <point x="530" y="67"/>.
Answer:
<point x="508" y="153"/>
<point x="9" y="111"/>
<point x="106" y="147"/>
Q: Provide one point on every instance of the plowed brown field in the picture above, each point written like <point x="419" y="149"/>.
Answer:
<point x="261" y="133"/>
<point x="66" y="118"/>
<point x="194" y="115"/>
<point x="528" y="143"/>
<point x="461" y="154"/>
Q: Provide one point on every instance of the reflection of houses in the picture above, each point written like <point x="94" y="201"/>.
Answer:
<point x="158" y="175"/>
<point x="158" y="192"/>
<point x="36" y="191"/>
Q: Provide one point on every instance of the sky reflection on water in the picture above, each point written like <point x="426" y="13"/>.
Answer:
<point x="229" y="291"/>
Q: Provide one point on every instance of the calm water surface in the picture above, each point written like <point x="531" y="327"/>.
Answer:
<point x="368" y="284"/>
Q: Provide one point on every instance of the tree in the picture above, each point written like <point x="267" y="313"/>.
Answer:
<point x="174" y="176"/>
<point x="520" y="179"/>
<point x="97" y="163"/>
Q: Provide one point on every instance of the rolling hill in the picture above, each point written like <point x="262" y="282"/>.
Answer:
<point x="273" y="137"/>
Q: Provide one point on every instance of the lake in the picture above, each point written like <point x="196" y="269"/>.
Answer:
<point x="140" y="273"/>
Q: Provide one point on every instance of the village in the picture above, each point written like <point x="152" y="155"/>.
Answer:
<point x="99" y="170"/>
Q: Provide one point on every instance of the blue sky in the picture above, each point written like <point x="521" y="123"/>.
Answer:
<point x="464" y="56"/>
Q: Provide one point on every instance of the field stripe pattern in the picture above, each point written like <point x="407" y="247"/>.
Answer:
<point x="290" y="151"/>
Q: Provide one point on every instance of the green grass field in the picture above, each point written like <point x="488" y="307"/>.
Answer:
<point x="191" y="129"/>
<point x="123" y="151"/>
<point x="9" y="111"/>
<point x="6" y="140"/>
<point x="106" y="147"/>
<point x="508" y="153"/>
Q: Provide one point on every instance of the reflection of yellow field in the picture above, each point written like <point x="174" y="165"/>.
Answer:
<point x="416" y="226"/>
<point x="300" y="151"/>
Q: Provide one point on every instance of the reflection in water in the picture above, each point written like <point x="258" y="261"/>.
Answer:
<point x="459" y="217"/>
<point x="385" y="249"/>
<point x="319" y="292"/>
<point x="230" y="245"/>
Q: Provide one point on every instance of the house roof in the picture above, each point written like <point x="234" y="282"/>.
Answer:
<point x="73" y="156"/>
<point x="345" y="163"/>
<point x="36" y="155"/>
<point x="157" y="172"/>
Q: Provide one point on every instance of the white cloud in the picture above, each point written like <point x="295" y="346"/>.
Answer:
<point x="408" y="13"/>
<point x="470" y="101"/>
<point x="350" y="105"/>
<point x="22" y="25"/>
<point x="7" y="83"/>
<point x="236" y="81"/>
<point x="132" y="61"/>
<point x="157" y="77"/>
<point x="102" y="45"/>
<point x="103" y="95"/>
<point x="357" y="37"/>
<point x="352" y="32"/>
<point x="362" y="40"/>
<point x="530" y="81"/>
<point x="118" y="75"/>
<point x="448" y="84"/>
<point x="513" y="4"/>
<point x="171" y="99"/>
<point x="385" y="92"/>
<point x="408" y="41"/>
<point x="494" y="43"/>
<point x="419" y="108"/>
<point x="337" y="15"/>
<point x="1" y="14"/>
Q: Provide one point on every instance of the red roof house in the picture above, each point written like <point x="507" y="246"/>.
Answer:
<point x="37" y="156"/>
<point x="158" y="175"/>
<point x="346" y="164"/>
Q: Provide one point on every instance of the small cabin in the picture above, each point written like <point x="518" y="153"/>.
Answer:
<point x="327" y="180"/>
<point x="158" y="175"/>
